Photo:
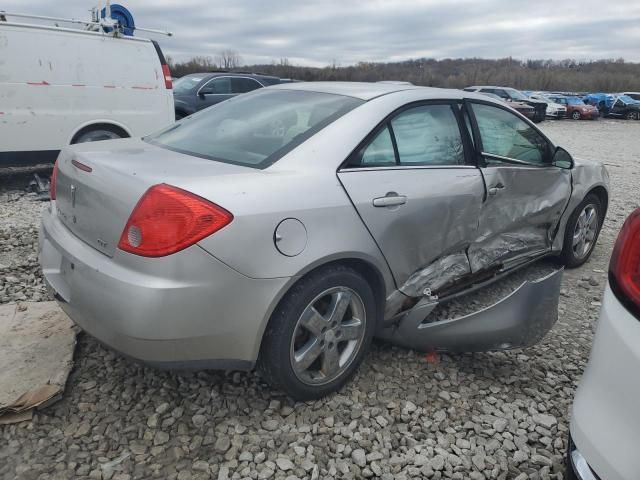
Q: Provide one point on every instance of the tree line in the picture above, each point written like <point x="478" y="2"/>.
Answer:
<point x="613" y="75"/>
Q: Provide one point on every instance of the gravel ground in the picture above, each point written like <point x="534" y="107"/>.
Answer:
<point x="493" y="415"/>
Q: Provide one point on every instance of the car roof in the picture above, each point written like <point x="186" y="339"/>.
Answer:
<point x="367" y="91"/>
<point x="492" y="86"/>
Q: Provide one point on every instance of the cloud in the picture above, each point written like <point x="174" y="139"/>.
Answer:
<point x="349" y="31"/>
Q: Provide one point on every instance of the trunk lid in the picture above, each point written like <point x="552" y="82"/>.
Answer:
<point x="100" y="183"/>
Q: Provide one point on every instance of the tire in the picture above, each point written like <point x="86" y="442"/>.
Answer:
<point x="576" y="115"/>
<point x="573" y="255"/>
<point x="290" y="333"/>
<point x="631" y="115"/>
<point x="98" y="133"/>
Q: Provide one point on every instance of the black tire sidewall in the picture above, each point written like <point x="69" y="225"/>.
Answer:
<point x="567" y="256"/>
<point x="274" y="361"/>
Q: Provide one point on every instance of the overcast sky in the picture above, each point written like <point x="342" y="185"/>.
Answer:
<point x="349" y="31"/>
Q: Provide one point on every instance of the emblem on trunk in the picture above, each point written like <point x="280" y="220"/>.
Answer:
<point x="73" y="195"/>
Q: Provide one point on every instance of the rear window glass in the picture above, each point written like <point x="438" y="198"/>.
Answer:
<point x="254" y="129"/>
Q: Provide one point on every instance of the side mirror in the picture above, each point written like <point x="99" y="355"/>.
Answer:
<point x="205" y="91"/>
<point x="562" y="159"/>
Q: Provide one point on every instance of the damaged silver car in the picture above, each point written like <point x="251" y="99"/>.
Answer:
<point x="289" y="226"/>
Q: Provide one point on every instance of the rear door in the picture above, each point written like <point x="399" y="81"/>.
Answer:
<point x="412" y="184"/>
<point x="526" y="195"/>
<point x="216" y="90"/>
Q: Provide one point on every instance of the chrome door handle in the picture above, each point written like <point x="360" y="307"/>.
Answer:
<point x="495" y="189"/>
<point x="392" y="199"/>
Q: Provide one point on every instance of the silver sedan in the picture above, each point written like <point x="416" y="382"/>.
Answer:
<point x="288" y="226"/>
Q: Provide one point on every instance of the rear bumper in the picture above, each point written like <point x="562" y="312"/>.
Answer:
<point x="185" y="310"/>
<point x="605" y="424"/>
<point x="520" y="320"/>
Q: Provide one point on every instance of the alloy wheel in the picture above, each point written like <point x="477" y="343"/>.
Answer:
<point x="585" y="231"/>
<point x="328" y="336"/>
<point x="575" y="115"/>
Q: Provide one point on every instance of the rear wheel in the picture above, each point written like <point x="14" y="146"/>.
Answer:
<point x="319" y="333"/>
<point x="631" y="115"/>
<point x="582" y="232"/>
<point x="576" y="115"/>
<point x="98" y="133"/>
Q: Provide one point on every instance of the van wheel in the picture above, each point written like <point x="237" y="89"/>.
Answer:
<point x="98" y="133"/>
<point x="319" y="333"/>
<point x="581" y="232"/>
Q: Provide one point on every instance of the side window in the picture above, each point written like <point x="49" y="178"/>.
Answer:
<point x="379" y="152"/>
<point x="217" y="86"/>
<point x="243" y="85"/>
<point x="506" y="135"/>
<point x="428" y="135"/>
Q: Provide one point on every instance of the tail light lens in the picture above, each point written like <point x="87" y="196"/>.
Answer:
<point x="52" y="182"/>
<point x="168" y="219"/>
<point x="624" y="269"/>
<point x="168" y="83"/>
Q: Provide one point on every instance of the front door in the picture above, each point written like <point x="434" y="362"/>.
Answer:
<point x="525" y="196"/>
<point x="414" y="188"/>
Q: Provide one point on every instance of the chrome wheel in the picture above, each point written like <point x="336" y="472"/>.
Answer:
<point x="328" y="336"/>
<point x="585" y="231"/>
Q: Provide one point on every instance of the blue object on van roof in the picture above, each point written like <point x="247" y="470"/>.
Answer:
<point x="123" y="17"/>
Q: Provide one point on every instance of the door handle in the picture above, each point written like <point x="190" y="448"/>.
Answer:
<point x="391" y="199"/>
<point x="495" y="189"/>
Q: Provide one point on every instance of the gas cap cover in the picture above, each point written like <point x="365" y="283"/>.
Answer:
<point x="290" y="237"/>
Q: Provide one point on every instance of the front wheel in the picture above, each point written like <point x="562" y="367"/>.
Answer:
<point x="632" y="115"/>
<point x="581" y="233"/>
<point x="576" y="115"/>
<point x="319" y="333"/>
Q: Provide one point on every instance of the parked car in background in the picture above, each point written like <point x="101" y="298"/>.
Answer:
<point x="196" y="91"/>
<point x="605" y="425"/>
<point x="521" y="107"/>
<point x="512" y="95"/>
<point x="624" y="106"/>
<point x="554" y="110"/>
<point x="61" y="86"/>
<point x="576" y="108"/>
<point x="634" y="95"/>
<point x="603" y="101"/>
<point x="289" y="225"/>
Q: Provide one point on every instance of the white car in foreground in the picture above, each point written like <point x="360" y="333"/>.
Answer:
<point x="554" y="110"/>
<point x="605" y="422"/>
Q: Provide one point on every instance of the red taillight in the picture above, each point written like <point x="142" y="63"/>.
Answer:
<point x="624" y="268"/>
<point x="168" y="83"/>
<point x="168" y="219"/>
<point x="52" y="182"/>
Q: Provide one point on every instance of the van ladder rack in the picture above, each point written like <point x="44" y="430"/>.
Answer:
<point x="98" y="25"/>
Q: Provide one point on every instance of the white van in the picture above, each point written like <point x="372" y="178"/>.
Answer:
<point x="60" y="86"/>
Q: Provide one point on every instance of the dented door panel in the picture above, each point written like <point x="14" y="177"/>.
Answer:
<point x="521" y="217"/>
<point x="438" y="219"/>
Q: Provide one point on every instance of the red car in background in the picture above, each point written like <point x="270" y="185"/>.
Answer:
<point x="576" y="108"/>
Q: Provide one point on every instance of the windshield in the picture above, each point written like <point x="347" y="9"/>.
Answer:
<point x="254" y="129"/>
<point x="516" y="95"/>
<point x="186" y="84"/>
<point x="574" y="101"/>
<point x="627" y="99"/>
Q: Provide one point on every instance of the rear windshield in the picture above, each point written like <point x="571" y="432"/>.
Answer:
<point x="254" y="129"/>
